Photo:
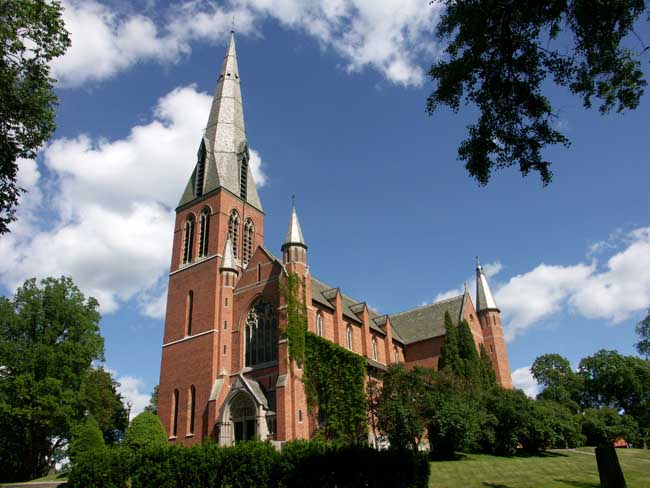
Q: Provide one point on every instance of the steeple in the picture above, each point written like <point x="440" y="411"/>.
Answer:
<point x="484" y="298"/>
<point x="228" y="260"/>
<point x="294" y="232"/>
<point x="223" y="156"/>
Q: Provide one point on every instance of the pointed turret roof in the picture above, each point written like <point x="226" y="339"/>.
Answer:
<point x="228" y="260"/>
<point x="294" y="232"/>
<point x="224" y="143"/>
<point x="484" y="298"/>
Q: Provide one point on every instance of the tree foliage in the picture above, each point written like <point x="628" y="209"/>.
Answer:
<point x="561" y="384"/>
<point x="501" y="56"/>
<point x="643" y="331"/>
<point x="293" y="293"/>
<point x="146" y="431"/>
<point x="153" y="401"/>
<point x="86" y="437"/>
<point x="99" y="397"/>
<point x="449" y="353"/>
<point x="32" y="34"/>
<point x="49" y="336"/>
<point x="603" y="426"/>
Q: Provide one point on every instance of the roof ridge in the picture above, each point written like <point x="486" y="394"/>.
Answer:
<point x="427" y="305"/>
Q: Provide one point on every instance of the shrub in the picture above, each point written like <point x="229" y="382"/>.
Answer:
<point x="102" y="468"/>
<point x="145" y="431"/>
<point x="86" y="437"/>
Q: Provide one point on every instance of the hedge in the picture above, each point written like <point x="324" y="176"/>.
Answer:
<point x="299" y="464"/>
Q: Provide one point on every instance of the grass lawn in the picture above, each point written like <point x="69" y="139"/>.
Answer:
<point x="45" y="479"/>
<point x="554" y="469"/>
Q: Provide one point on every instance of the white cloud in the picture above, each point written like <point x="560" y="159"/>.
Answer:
<point x="490" y="270"/>
<point x="389" y="36"/>
<point x="614" y="291"/>
<point x="523" y="379"/>
<point x="109" y="206"/>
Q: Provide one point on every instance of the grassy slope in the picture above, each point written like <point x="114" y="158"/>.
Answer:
<point x="558" y="469"/>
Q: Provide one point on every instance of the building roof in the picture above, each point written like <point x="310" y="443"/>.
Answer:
<point x="484" y="298"/>
<point x="224" y="143"/>
<point x="294" y="232"/>
<point x="428" y="321"/>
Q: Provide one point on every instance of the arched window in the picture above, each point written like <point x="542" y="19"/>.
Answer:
<point x="204" y="230"/>
<point x="175" y="414"/>
<point x="233" y="232"/>
<point x="261" y="334"/>
<point x="319" y="325"/>
<point x="191" y="406"/>
<point x="374" y="348"/>
<point x="243" y="176"/>
<point x="190" y="310"/>
<point x="188" y="240"/>
<point x="348" y="334"/>
<point x="249" y="238"/>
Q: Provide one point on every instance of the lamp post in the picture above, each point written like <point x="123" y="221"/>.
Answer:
<point x="129" y="404"/>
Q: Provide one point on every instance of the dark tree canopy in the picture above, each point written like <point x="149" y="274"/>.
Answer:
<point x="99" y="397"/>
<point x="32" y="33"/>
<point x="153" y="401"/>
<point x="49" y="337"/>
<point x="643" y="331"/>
<point x="501" y="56"/>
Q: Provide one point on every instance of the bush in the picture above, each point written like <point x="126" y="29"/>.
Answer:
<point x="603" y="426"/>
<point x="86" y="437"/>
<point x="145" y="431"/>
<point x="315" y="464"/>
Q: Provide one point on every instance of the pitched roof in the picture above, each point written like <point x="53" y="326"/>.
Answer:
<point x="224" y="142"/>
<point x="294" y="232"/>
<point x="484" y="298"/>
<point x="428" y="321"/>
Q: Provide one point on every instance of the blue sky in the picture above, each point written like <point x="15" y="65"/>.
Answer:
<point x="334" y="97"/>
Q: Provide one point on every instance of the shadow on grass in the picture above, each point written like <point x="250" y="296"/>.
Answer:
<point x="579" y="484"/>
<point x="541" y="454"/>
<point x="495" y="485"/>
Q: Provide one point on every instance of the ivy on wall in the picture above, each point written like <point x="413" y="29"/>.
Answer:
<point x="334" y="382"/>
<point x="293" y="292"/>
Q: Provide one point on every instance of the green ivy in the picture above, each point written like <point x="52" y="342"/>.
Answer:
<point x="334" y="382"/>
<point x="293" y="293"/>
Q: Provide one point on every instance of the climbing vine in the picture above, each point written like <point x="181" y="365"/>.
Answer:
<point x="334" y="382"/>
<point x="293" y="292"/>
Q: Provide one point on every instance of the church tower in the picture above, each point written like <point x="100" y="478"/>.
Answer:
<point x="219" y="224"/>
<point x="489" y="316"/>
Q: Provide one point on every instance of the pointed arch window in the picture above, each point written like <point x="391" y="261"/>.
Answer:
<point x="233" y="232"/>
<point x="261" y="339"/>
<point x="348" y="334"/>
<point x="319" y="325"/>
<point x="200" y="170"/>
<point x="188" y="240"/>
<point x="374" y="348"/>
<point x="191" y="407"/>
<point x="204" y="232"/>
<point x="175" y="414"/>
<point x="249" y="240"/>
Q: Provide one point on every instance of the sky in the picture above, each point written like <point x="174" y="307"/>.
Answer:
<point x="334" y="102"/>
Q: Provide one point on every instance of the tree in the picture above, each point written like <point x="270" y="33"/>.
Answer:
<point x="449" y="353"/>
<point x="49" y="336"/>
<point x="32" y="35"/>
<point x="486" y="371"/>
<point x="603" y="426"/>
<point x="467" y="352"/>
<point x="99" y="397"/>
<point x="145" y="431"/>
<point x="643" y="331"/>
<point x="561" y="384"/>
<point x="153" y="402"/>
<point x="502" y="55"/>
<point x="86" y="437"/>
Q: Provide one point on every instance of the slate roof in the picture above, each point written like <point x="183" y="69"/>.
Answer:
<point x="428" y="321"/>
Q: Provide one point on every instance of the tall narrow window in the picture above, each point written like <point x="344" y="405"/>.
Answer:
<point x="233" y="232"/>
<point x="188" y="240"/>
<point x="348" y="334"/>
<point x="190" y="309"/>
<point x="191" y="407"/>
<point x="319" y="324"/>
<point x="243" y="177"/>
<point x="175" y="414"/>
<point x="249" y="237"/>
<point x="261" y="334"/>
<point x="259" y="273"/>
<point x="374" y="348"/>
<point x="395" y="355"/>
<point x="200" y="170"/>
<point x="204" y="231"/>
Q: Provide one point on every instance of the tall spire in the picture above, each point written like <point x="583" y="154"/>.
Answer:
<point x="294" y="232"/>
<point x="228" y="260"/>
<point x="484" y="298"/>
<point x="223" y="159"/>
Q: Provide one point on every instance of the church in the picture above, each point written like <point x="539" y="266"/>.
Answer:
<point x="225" y="371"/>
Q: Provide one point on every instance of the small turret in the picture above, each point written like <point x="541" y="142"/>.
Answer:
<point x="294" y="249"/>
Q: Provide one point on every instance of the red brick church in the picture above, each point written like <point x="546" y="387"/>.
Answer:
<point x="225" y="371"/>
